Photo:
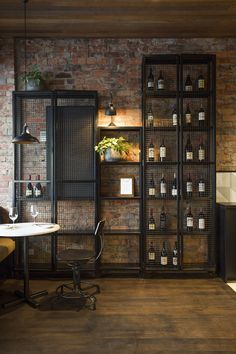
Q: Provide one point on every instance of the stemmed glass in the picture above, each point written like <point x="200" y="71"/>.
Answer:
<point x="34" y="212"/>
<point x="13" y="215"/>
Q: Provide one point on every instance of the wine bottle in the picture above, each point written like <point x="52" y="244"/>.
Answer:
<point x="174" y="190"/>
<point x="151" y="188"/>
<point x="201" y="221"/>
<point x="201" y="82"/>
<point x="160" y="82"/>
<point x="189" y="150"/>
<point x="38" y="189"/>
<point x="201" y="152"/>
<point x="151" y="221"/>
<point x="162" y="151"/>
<point x="151" y="253"/>
<point x="189" y="186"/>
<point x="175" y="255"/>
<point x="163" y="187"/>
<point x="201" y="117"/>
<point x="29" y="189"/>
<point x="150" y="80"/>
<point x="188" y="86"/>
<point x="163" y="219"/>
<point x="151" y="152"/>
<point x="164" y="258"/>
<point x="189" y="220"/>
<point x="188" y="116"/>
<point x="201" y="187"/>
<point x="174" y="117"/>
<point x="150" y="118"/>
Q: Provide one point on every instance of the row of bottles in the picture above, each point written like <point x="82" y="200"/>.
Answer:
<point x="163" y="220"/>
<point x="154" y="256"/>
<point x="161" y="82"/>
<point x="189" y="152"/>
<point x="164" y="190"/>
<point x="188" y="117"/>
<point x="34" y="191"/>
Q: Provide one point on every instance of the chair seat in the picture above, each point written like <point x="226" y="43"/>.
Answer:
<point x="75" y="255"/>
<point x="7" y="246"/>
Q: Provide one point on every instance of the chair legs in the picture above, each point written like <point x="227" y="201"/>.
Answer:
<point x="74" y="290"/>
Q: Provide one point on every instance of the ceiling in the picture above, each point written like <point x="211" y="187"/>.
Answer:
<point x="119" y="18"/>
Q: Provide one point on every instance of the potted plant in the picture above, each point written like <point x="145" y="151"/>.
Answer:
<point x="112" y="148"/>
<point x="33" y="79"/>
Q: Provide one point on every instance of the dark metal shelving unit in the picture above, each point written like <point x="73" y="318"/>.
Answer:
<point x="196" y="249"/>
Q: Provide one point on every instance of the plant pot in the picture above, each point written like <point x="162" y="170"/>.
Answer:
<point x="33" y="85"/>
<point x="112" y="155"/>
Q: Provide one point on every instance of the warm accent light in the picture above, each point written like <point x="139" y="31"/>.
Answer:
<point x="110" y="111"/>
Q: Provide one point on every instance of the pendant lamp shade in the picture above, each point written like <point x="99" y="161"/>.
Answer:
<point x="110" y="111"/>
<point x="25" y="137"/>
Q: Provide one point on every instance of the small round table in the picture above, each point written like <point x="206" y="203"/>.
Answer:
<point x="25" y="230"/>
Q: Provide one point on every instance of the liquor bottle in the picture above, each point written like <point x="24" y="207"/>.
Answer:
<point x="150" y="118"/>
<point x="160" y="82"/>
<point x="175" y="255"/>
<point x="201" y="117"/>
<point x="174" y="190"/>
<point x="188" y="116"/>
<point x="29" y="189"/>
<point x="189" y="150"/>
<point x="163" y="187"/>
<point x="151" y="152"/>
<point x="201" y="187"/>
<point x="201" y="152"/>
<point x="150" y="80"/>
<point x="164" y="259"/>
<point x="38" y="189"/>
<point x="163" y="219"/>
<point x="151" y="221"/>
<point x="151" y="188"/>
<point x="201" y="221"/>
<point x="174" y="117"/>
<point x="189" y="220"/>
<point x="188" y="86"/>
<point x="200" y="82"/>
<point x="151" y="253"/>
<point x="162" y="151"/>
<point x="189" y="186"/>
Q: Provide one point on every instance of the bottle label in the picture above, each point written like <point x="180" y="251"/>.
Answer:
<point x="189" y="155"/>
<point x="201" y="224"/>
<point x="201" y="116"/>
<point x="151" y="226"/>
<point x="160" y="84"/>
<point x="150" y="119"/>
<point x="163" y="188"/>
<point x="174" y="192"/>
<point x="151" y="153"/>
<point x="175" y="119"/>
<point x="201" y="154"/>
<point x="189" y="187"/>
<point x="189" y="221"/>
<point x="151" y="191"/>
<point x="29" y="192"/>
<point x="201" y="83"/>
<point x="162" y="151"/>
<point x="175" y="261"/>
<point x="150" y="84"/>
<point x="37" y="192"/>
<point x="188" y="118"/>
<point x="151" y="256"/>
<point x="164" y="260"/>
<point x="201" y="187"/>
<point x="188" y="87"/>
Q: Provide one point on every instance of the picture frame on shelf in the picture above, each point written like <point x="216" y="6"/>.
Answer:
<point x="127" y="186"/>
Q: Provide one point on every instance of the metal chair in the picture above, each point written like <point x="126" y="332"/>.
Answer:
<point x="75" y="258"/>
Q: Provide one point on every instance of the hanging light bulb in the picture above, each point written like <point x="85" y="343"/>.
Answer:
<point x="110" y="111"/>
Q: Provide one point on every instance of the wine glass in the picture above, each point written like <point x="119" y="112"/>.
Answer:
<point x="34" y="212"/>
<point x="13" y="215"/>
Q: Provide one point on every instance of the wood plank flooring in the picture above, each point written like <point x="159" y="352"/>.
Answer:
<point x="133" y="316"/>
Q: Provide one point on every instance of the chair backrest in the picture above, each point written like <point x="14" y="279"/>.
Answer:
<point x="99" y="233"/>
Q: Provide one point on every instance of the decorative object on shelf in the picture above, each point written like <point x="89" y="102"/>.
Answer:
<point x="127" y="186"/>
<point x="33" y="79"/>
<point x="112" y="148"/>
<point x="25" y="137"/>
<point x="110" y="111"/>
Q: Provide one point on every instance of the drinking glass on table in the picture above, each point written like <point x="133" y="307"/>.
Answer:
<point x="34" y="212"/>
<point x="13" y="215"/>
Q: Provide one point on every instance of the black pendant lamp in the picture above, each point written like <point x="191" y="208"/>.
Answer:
<point x="25" y="137"/>
<point x="110" y="111"/>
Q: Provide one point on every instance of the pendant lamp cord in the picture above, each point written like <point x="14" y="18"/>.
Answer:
<point x="25" y="39"/>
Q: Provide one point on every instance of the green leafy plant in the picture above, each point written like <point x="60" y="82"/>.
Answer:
<point x="117" y="144"/>
<point x="35" y="74"/>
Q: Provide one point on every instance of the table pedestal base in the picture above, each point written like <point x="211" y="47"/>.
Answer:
<point x="28" y="299"/>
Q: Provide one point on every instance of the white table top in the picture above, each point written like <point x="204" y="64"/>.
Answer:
<point x="27" y="229"/>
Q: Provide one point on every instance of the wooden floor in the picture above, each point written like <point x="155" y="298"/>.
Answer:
<point x="133" y="316"/>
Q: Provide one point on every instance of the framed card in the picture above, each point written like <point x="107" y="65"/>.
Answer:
<point x="127" y="186"/>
